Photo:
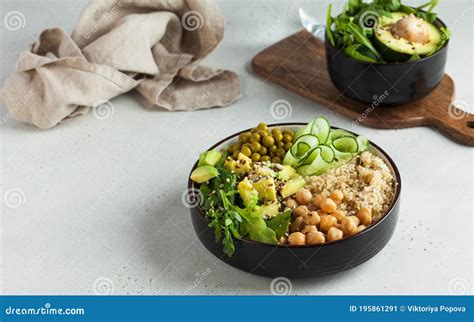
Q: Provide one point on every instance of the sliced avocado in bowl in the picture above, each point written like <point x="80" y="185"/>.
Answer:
<point x="402" y="36"/>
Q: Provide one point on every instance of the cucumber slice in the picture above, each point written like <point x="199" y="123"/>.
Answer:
<point x="363" y="143"/>
<point x="335" y="134"/>
<point x="320" y="127"/>
<point x="323" y="160"/>
<point x="346" y="144"/>
<point x="300" y="149"/>
<point x="318" y="148"/>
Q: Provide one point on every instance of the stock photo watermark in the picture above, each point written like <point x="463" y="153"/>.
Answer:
<point x="192" y="20"/>
<point x="281" y="286"/>
<point x="14" y="20"/>
<point x="103" y="286"/>
<point x="191" y="198"/>
<point x="458" y="109"/>
<point x="200" y="277"/>
<point x="14" y="198"/>
<point x="378" y="100"/>
<point x="281" y="109"/>
<point x="103" y="109"/>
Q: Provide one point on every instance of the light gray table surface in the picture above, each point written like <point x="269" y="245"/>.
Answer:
<point x="100" y="211"/>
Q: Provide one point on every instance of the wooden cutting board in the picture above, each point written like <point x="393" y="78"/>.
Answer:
<point x="298" y="63"/>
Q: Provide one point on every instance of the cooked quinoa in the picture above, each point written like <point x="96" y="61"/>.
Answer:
<point x="366" y="181"/>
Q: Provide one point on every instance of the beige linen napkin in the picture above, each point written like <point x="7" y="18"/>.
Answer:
<point x="153" y="46"/>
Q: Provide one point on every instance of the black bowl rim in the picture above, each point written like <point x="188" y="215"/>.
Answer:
<point x="389" y="210"/>
<point x="437" y="21"/>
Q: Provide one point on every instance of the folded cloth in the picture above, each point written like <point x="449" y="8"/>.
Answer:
<point x="153" y="46"/>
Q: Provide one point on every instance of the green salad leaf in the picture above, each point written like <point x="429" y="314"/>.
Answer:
<point x="279" y="224"/>
<point x="218" y="198"/>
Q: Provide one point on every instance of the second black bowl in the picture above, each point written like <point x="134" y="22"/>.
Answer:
<point x="389" y="84"/>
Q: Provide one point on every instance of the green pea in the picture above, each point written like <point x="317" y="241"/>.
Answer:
<point x="255" y="157"/>
<point x="263" y="150"/>
<point x="288" y="145"/>
<point x="268" y="141"/>
<point x="246" y="151"/>
<point x="262" y="126"/>
<point x="287" y="138"/>
<point x="255" y="147"/>
<point x="278" y="136"/>
<point x="281" y="152"/>
<point x="244" y="137"/>
<point x="276" y="160"/>
<point x="255" y="137"/>
<point x="265" y="158"/>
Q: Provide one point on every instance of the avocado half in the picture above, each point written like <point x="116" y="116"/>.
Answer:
<point x="395" y="48"/>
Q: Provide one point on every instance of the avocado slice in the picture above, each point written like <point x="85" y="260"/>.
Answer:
<point x="292" y="186"/>
<point x="204" y="173"/>
<point x="209" y="158"/>
<point x="402" y="36"/>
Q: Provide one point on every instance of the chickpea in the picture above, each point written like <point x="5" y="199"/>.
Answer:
<point x="361" y="228"/>
<point x="337" y="196"/>
<point x="309" y="229"/>
<point x="340" y="215"/>
<point x="318" y="199"/>
<point x="312" y="218"/>
<point x="300" y="211"/>
<point x="311" y="206"/>
<point x="291" y="203"/>
<point x="349" y="227"/>
<point x="355" y="219"/>
<point x="327" y="222"/>
<point x="296" y="224"/>
<point x="315" y="238"/>
<point x="325" y="194"/>
<point x="334" y="234"/>
<point x="328" y="205"/>
<point x="365" y="216"/>
<point x="303" y="196"/>
<point x="297" y="238"/>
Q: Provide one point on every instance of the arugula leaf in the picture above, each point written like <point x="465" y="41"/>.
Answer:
<point x="359" y="35"/>
<point x="279" y="224"/>
<point x="353" y="52"/>
<point x="388" y="5"/>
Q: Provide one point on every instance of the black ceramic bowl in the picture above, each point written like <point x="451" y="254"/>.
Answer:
<point x="301" y="261"/>
<point x="404" y="82"/>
